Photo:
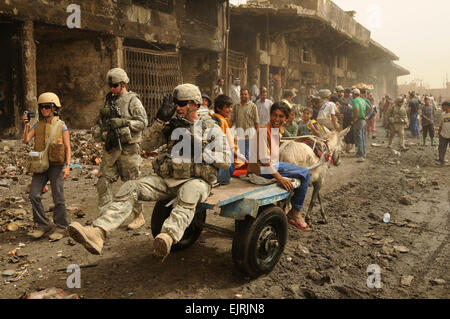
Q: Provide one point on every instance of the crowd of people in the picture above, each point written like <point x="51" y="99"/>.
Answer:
<point x="122" y="121"/>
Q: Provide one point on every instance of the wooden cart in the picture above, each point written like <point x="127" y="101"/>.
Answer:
<point x="260" y="233"/>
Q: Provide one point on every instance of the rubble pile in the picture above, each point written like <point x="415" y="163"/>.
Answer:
<point x="13" y="156"/>
<point x="85" y="150"/>
<point x="13" y="216"/>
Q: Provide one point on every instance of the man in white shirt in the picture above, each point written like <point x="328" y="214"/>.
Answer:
<point x="263" y="104"/>
<point x="235" y="91"/>
<point x="255" y="90"/>
<point x="287" y="98"/>
<point x="327" y="113"/>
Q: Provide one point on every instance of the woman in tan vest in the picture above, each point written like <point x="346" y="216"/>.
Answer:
<point x="59" y="153"/>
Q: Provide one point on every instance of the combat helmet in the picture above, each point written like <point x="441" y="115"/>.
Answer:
<point x="49" y="98"/>
<point x="187" y="92"/>
<point x="117" y="75"/>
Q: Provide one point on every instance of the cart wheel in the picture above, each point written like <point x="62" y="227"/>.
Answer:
<point x="161" y="213"/>
<point x="258" y="243"/>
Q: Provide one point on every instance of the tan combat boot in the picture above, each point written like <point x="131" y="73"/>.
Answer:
<point x="58" y="234"/>
<point x="138" y="222"/>
<point x="91" y="238"/>
<point x="38" y="232"/>
<point x="161" y="246"/>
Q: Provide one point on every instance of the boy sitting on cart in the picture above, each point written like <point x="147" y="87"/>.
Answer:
<point x="264" y="162"/>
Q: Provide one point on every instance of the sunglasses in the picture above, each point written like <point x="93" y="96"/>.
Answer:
<point x="182" y="103"/>
<point x="46" y="106"/>
<point x="114" y="85"/>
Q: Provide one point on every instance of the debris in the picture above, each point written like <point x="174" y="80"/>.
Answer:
<point x="238" y="296"/>
<point x="406" y="280"/>
<point x="438" y="281"/>
<point x="387" y="218"/>
<point x="406" y="200"/>
<point x="70" y="242"/>
<point x="314" y="275"/>
<point x="289" y="259"/>
<point x="50" y="293"/>
<point x="303" y="249"/>
<point x="19" y="276"/>
<point x="9" y="272"/>
<point x="401" y="249"/>
<point x="387" y="250"/>
<point x="81" y="266"/>
<point x="376" y="145"/>
<point x="12" y="252"/>
<point x="12" y="226"/>
<point x="79" y="213"/>
<point x="5" y="183"/>
<point x="93" y="173"/>
<point x="72" y="165"/>
<point x="128" y="294"/>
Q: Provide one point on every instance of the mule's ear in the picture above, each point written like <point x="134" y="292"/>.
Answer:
<point x="344" y="132"/>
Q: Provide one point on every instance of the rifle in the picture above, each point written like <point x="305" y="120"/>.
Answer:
<point x="115" y="113"/>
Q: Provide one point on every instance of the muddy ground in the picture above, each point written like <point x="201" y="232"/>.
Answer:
<point x="329" y="262"/>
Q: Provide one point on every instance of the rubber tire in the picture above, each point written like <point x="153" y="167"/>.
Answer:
<point x="247" y="233"/>
<point x="192" y="233"/>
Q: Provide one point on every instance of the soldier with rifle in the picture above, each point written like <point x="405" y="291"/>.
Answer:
<point x="120" y="124"/>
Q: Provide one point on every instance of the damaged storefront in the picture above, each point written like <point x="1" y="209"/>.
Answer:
<point x="309" y="44"/>
<point x="160" y="43"/>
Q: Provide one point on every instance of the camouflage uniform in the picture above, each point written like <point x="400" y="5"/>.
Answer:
<point x="397" y="118"/>
<point x="190" y="183"/>
<point x="126" y="163"/>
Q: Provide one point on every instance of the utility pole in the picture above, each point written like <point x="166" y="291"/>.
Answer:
<point x="227" y="36"/>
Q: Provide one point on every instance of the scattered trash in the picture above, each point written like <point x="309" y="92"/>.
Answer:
<point x="93" y="173"/>
<point x="19" y="276"/>
<point x="401" y="249"/>
<point x="5" y="183"/>
<point x="81" y="266"/>
<point x="238" y="296"/>
<point x="128" y="294"/>
<point x="9" y="272"/>
<point x="303" y="249"/>
<point x="289" y="259"/>
<point x="406" y="280"/>
<point x="72" y="165"/>
<point x="314" y="275"/>
<point x="438" y="281"/>
<point x="50" y="293"/>
<point x="406" y="200"/>
<point x="376" y="145"/>
<point x="12" y="226"/>
<point x="387" y="218"/>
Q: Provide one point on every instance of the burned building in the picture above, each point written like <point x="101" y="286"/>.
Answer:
<point x="310" y="44"/>
<point x="68" y="49"/>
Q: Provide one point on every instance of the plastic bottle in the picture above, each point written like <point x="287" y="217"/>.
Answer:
<point x="387" y="218"/>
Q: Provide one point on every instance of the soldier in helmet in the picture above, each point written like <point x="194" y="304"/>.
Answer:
<point x="50" y="134"/>
<point x="120" y="125"/>
<point x="398" y="119"/>
<point x="181" y="173"/>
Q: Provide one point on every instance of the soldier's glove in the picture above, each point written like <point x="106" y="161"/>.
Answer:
<point x="105" y="112"/>
<point x="167" y="109"/>
<point x="118" y="123"/>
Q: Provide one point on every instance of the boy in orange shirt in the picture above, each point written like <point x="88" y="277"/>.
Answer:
<point x="223" y="107"/>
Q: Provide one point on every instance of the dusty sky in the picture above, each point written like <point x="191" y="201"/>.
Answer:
<point x="415" y="30"/>
<point x="412" y="29"/>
